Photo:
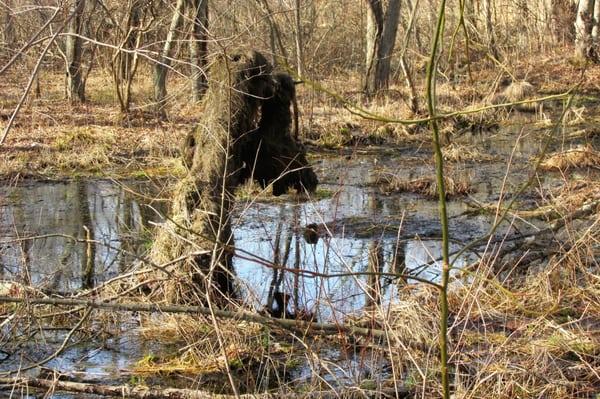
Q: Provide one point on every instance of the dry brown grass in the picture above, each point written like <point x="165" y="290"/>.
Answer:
<point x="53" y="139"/>
<point x="464" y="153"/>
<point x="524" y="336"/>
<point x="581" y="157"/>
<point x="244" y="345"/>
<point x="31" y="146"/>
<point x="455" y="186"/>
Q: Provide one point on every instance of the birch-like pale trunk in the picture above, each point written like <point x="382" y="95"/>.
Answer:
<point x="583" y="29"/>
<point x="595" y="26"/>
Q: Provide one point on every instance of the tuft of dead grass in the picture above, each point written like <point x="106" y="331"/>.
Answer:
<point x="455" y="186"/>
<point x="526" y="336"/>
<point x="243" y="345"/>
<point x="464" y="153"/>
<point x="580" y="157"/>
<point x="518" y="91"/>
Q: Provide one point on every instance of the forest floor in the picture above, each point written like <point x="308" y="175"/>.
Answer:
<point x="52" y="139"/>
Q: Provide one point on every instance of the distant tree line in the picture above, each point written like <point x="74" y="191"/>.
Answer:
<point x="383" y="41"/>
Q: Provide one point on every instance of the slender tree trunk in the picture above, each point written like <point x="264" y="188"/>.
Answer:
<point x="381" y="38"/>
<point x="162" y="66"/>
<point x="299" y="44"/>
<point x="199" y="47"/>
<point x="75" y="88"/>
<point x="275" y="33"/>
<point x="133" y="30"/>
<point x="406" y="70"/>
<point x="376" y="262"/>
<point x="583" y="29"/>
<point x="374" y="32"/>
<point x="488" y="13"/>
<point x="88" y="259"/>
<point x="8" y="36"/>
<point x="125" y="63"/>
<point x="386" y="48"/>
<point x="596" y="27"/>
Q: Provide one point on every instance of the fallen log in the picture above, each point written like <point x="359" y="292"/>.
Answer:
<point x="144" y="392"/>
<point x="292" y="325"/>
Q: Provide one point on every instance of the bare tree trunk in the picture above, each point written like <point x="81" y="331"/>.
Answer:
<point x="388" y="39"/>
<point x="488" y="11"/>
<point x="374" y="32"/>
<point x="88" y="260"/>
<point x="376" y="263"/>
<point x="299" y="44"/>
<point x="124" y="63"/>
<point x="404" y="65"/>
<point x="8" y="36"/>
<point x="275" y="34"/>
<point x="133" y="31"/>
<point x="596" y="27"/>
<point x="583" y="29"/>
<point x="75" y="87"/>
<point x="381" y="38"/>
<point x="199" y="47"/>
<point x="164" y="61"/>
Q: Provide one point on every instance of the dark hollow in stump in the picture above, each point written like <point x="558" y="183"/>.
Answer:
<point x="198" y="235"/>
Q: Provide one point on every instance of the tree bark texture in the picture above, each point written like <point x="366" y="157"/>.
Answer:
<point x="299" y="39"/>
<point x="75" y="89"/>
<point x="224" y="150"/>
<point x="583" y="29"/>
<point x="488" y="14"/>
<point x="199" y="47"/>
<point x="164" y="61"/>
<point x="125" y="63"/>
<point x="381" y="38"/>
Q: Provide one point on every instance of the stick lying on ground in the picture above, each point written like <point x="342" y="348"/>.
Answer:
<point x="143" y="392"/>
<point x="292" y="325"/>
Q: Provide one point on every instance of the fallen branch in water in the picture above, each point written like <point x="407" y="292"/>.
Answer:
<point x="143" y="392"/>
<point x="292" y="325"/>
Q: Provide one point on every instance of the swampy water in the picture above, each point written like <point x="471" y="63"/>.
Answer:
<point x="353" y="217"/>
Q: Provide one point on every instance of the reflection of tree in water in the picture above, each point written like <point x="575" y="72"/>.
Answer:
<point x="278" y="299"/>
<point x="86" y="232"/>
<point x="375" y="266"/>
<point x="112" y="216"/>
<point x="276" y="295"/>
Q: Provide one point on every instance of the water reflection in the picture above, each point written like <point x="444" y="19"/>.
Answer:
<point x="358" y="230"/>
<point x="355" y="216"/>
<point x="57" y="212"/>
